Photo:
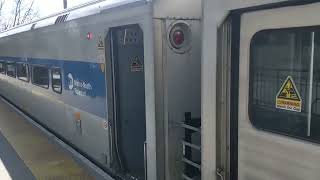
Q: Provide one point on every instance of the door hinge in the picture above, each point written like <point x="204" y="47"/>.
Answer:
<point x="220" y="173"/>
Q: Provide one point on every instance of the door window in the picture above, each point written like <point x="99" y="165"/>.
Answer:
<point x="285" y="82"/>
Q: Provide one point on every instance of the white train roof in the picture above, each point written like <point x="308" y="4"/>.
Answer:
<point x="87" y="9"/>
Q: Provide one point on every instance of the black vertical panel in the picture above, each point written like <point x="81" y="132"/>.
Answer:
<point x="234" y="95"/>
<point x="128" y="51"/>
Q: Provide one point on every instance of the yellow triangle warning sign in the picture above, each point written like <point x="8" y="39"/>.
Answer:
<point x="288" y="98"/>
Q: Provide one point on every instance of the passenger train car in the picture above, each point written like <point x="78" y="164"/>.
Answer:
<point x="118" y="80"/>
<point x="260" y="85"/>
<point x="179" y="89"/>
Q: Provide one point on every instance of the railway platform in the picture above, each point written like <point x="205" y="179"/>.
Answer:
<point x="28" y="151"/>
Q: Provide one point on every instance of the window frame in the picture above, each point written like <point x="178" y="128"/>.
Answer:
<point x="60" y="70"/>
<point x="5" y="67"/>
<point x="15" y="67"/>
<point x="32" y="75"/>
<point x="28" y="71"/>
<point x="250" y="88"/>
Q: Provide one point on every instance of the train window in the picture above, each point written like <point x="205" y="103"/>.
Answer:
<point x="56" y="80"/>
<point x="2" y="67"/>
<point x="11" y="69"/>
<point x="285" y="82"/>
<point x="40" y="76"/>
<point x="23" y="71"/>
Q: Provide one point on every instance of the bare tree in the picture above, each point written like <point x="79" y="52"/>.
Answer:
<point x="22" y="12"/>
<point x="1" y="8"/>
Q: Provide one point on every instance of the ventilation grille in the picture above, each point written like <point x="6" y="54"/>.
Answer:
<point x="130" y="36"/>
<point x="191" y="148"/>
<point x="61" y="18"/>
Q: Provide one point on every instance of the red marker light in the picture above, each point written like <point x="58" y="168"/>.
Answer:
<point x="89" y="35"/>
<point x="178" y="37"/>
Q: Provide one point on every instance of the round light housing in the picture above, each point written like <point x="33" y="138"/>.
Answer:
<point x="179" y="37"/>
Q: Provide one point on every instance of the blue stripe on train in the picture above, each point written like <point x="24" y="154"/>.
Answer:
<point x="84" y="82"/>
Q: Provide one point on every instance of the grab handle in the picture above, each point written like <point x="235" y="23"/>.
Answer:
<point x="145" y="161"/>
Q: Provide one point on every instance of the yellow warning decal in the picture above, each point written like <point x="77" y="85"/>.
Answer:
<point x="288" y="98"/>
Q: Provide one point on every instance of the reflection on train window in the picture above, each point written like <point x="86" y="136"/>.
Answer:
<point x="2" y="67"/>
<point x="11" y="69"/>
<point x="40" y="76"/>
<point x="275" y="57"/>
<point x="56" y="80"/>
<point x="23" y="72"/>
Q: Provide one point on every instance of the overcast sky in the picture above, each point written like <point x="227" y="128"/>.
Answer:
<point x="46" y="7"/>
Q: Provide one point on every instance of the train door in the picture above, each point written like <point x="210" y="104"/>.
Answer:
<point x="128" y="100"/>
<point x="279" y="94"/>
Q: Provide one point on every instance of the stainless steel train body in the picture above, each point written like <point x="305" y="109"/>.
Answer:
<point x="114" y="79"/>
<point x="259" y="90"/>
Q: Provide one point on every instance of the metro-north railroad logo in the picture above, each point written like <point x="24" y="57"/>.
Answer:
<point x="78" y="86"/>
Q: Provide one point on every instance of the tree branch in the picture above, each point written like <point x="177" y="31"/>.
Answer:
<point x="27" y="13"/>
<point x="23" y="11"/>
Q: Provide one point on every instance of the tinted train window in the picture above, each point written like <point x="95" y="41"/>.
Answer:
<point x="285" y="82"/>
<point x="23" y="72"/>
<point x="40" y="76"/>
<point x="56" y="80"/>
<point x="2" y="67"/>
<point x="11" y="69"/>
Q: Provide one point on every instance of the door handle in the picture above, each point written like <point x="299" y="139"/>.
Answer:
<point x="145" y="161"/>
<point x="220" y="173"/>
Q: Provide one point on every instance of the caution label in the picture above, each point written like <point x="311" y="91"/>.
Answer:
<point x="100" y="43"/>
<point x="288" y="98"/>
<point x="136" y="65"/>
